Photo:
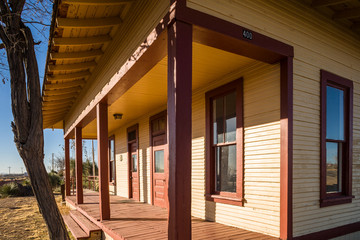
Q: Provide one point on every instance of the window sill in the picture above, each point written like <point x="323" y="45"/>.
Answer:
<point x="332" y="201"/>
<point x="225" y="200"/>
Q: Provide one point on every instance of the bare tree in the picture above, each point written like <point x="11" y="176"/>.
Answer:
<point x="17" y="39"/>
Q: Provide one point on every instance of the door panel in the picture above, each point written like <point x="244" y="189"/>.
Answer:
<point x="134" y="172"/>
<point x="159" y="171"/>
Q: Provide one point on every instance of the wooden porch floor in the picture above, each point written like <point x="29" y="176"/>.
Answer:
<point x="134" y="220"/>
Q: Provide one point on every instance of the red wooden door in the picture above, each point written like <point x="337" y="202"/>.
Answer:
<point x="160" y="169"/>
<point x="134" y="172"/>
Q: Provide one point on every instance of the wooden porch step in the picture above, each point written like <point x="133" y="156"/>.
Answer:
<point x="86" y="225"/>
<point x="74" y="228"/>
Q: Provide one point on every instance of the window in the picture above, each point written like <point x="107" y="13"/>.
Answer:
<point x="224" y="143"/>
<point x="336" y="139"/>
<point x="112" y="159"/>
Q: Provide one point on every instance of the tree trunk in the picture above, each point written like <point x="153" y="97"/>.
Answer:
<point x="27" y="112"/>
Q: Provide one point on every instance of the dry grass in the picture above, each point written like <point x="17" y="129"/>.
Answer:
<point x="20" y="218"/>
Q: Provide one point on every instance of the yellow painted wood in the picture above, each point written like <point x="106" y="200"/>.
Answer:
<point x="76" y="55"/>
<point x="51" y="103"/>
<point x="49" y="108"/>
<point x="62" y="91"/>
<point x="67" y="77"/>
<point x="71" y="67"/>
<point x="54" y="111"/>
<point x="97" y="2"/>
<point x="79" y="41"/>
<point x="60" y="97"/>
<point x="88" y="23"/>
<point x="70" y="84"/>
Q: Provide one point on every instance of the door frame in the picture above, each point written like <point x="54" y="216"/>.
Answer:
<point x="152" y="134"/>
<point x="129" y="143"/>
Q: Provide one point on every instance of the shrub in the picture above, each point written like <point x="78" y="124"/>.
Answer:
<point x="10" y="189"/>
<point x="15" y="189"/>
<point x="55" y="180"/>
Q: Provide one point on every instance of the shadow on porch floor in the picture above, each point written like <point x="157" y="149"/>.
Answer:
<point x="134" y="220"/>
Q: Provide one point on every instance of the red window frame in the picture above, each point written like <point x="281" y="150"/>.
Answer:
<point x="345" y="196"/>
<point x="112" y="179"/>
<point x="211" y="193"/>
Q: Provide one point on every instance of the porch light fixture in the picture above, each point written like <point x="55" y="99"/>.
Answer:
<point x="118" y="116"/>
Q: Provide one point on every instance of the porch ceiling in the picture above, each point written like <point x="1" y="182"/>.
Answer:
<point x="80" y="34"/>
<point x="344" y="12"/>
<point x="150" y="92"/>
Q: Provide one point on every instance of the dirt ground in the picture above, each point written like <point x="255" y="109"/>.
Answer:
<point x="20" y="218"/>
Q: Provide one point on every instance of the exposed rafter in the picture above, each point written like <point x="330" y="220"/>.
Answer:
<point x="49" y="86"/>
<point x="60" y="97"/>
<point x="55" y="104"/>
<point x="326" y="3"/>
<point x="76" y="55"/>
<point x="55" y="111"/>
<point x="62" y="91"/>
<point x="97" y="2"/>
<point x="60" y="107"/>
<point x="67" y="77"/>
<point x="81" y="41"/>
<point x="347" y="14"/>
<point x="88" y="22"/>
<point x="71" y="67"/>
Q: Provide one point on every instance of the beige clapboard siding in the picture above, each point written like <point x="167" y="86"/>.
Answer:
<point x="262" y="153"/>
<point x="318" y="44"/>
<point x="149" y="15"/>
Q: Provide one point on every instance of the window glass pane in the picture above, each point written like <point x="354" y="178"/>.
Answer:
<point x="333" y="167"/>
<point x="230" y="114"/>
<point x="112" y="150"/>
<point x="112" y="171"/>
<point x="334" y="113"/>
<point x="218" y="120"/>
<point x="132" y="135"/>
<point x="134" y="162"/>
<point x="159" y="161"/>
<point x="226" y="168"/>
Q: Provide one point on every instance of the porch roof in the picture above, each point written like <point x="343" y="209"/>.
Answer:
<point x="81" y="33"/>
<point x="136" y="220"/>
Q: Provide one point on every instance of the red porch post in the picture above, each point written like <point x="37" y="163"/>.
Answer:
<point x="102" y="139"/>
<point x="67" y="167"/>
<point x="179" y="129"/>
<point x="78" y="165"/>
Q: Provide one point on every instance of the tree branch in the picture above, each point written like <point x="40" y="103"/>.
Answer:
<point x="4" y="37"/>
<point x="35" y="22"/>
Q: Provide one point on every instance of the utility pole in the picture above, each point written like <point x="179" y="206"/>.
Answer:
<point x="9" y="170"/>
<point x="22" y="170"/>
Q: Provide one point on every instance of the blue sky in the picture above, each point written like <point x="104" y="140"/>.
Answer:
<point x="9" y="156"/>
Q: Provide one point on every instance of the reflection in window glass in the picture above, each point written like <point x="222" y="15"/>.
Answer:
<point x="132" y="136"/>
<point x="159" y="161"/>
<point x="158" y="124"/>
<point x="333" y="167"/>
<point x="226" y="168"/>
<point x="334" y="113"/>
<point x="230" y="114"/>
<point x="134" y="162"/>
<point x="112" y="150"/>
<point x="218" y="120"/>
